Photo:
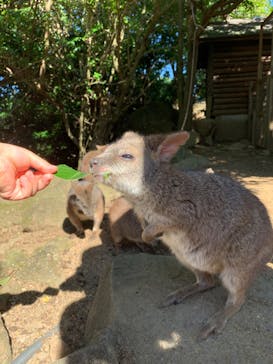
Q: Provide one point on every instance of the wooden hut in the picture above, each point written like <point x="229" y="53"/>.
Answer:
<point x="237" y="56"/>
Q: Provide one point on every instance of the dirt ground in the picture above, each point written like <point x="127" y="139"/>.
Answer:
<point x="35" y="306"/>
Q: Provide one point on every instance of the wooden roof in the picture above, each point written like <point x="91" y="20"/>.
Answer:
<point x="237" y="28"/>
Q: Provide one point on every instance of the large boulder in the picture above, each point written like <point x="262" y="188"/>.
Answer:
<point x="126" y="324"/>
<point x="231" y="128"/>
<point x="5" y="348"/>
<point x="47" y="208"/>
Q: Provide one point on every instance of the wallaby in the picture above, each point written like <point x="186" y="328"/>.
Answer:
<point x="85" y="199"/>
<point x="212" y="224"/>
<point x="124" y="224"/>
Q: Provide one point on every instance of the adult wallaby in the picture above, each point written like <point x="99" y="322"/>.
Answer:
<point x="213" y="225"/>
<point x="85" y="199"/>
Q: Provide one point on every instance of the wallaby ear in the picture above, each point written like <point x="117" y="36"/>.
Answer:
<point x="153" y="141"/>
<point x="129" y="134"/>
<point x="101" y="147"/>
<point x="170" y="145"/>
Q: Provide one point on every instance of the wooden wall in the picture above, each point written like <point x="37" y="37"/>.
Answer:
<point x="232" y="74"/>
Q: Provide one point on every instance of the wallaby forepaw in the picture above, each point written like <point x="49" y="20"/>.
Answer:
<point x="146" y="237"/>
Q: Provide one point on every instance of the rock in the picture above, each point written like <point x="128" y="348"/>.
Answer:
<point x="231" y="128"/>
<point x="185" y="159"/>
<point x="204" y="126"/>
<point x="126" y="325"/>
<point x="5" y="348"/>
<point x="47" y="208"/>
<point x="237" y="146"/>
<point x="156" y="117"/>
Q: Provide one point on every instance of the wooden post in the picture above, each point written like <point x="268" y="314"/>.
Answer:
<point x="209" y="98"/>
<point x="259" y="85"/>
<point x="250" y="110"/>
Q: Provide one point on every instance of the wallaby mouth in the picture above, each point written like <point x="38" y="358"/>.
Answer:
<point x="101" y="176"/>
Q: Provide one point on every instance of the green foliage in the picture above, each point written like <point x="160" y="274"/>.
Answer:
<point x="71" y="70"/>
<point x="251" y="9"/>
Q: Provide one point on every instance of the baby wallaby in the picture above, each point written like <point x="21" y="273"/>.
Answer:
<point x="124" y="224"/>
<point x="212" y="224"/>
<point x="85" y="199"/>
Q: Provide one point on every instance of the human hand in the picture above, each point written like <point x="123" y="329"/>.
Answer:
<point x="22" y="173"/>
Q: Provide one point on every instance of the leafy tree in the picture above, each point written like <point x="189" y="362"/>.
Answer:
<point x="71" y="70"/>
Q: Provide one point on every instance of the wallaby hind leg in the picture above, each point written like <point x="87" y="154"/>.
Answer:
<point x="204" y="281"/>
<point x="236" y="286"/>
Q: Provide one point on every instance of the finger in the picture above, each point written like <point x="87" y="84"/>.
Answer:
<point x="33" y="181"/>
<point x="44" y="181"/>
<point x="26" y="188"/>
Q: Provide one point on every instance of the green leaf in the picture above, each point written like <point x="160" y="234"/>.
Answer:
<point x="67" y="172"/>
<point x="97" y="76"/>
<point x="106" y="175"/>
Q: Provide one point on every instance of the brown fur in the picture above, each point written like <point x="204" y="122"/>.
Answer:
<point x="124" y="224"/>
<point x="212" y="224"/>
<point x="85" y="199"/>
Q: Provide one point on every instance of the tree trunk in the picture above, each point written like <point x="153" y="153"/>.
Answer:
<point x="42" y="70"/>
<point x="180" y="63"/>
<point x="186" y="120"/>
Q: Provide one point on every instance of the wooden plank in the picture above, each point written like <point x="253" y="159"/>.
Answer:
<point x="242" y="58"/>
<point x="226" y="91"/>
<point x="229" y="48"/>
<point x="219" y="56"/>
<point x="236" y="64"/>
<point x="229" y="112"/>
<point x="231" y="106"/>
<point x="232" y="79"/>
<point x="243" y="83"/>
<point x="234" y="71"/>
<point x="224" y="96"/>
<point x="230" y="101"/>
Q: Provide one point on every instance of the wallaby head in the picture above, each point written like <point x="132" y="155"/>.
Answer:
<point x="134" y="158"/>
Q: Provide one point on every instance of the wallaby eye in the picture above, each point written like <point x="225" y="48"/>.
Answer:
<point x="127" y="156"/>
